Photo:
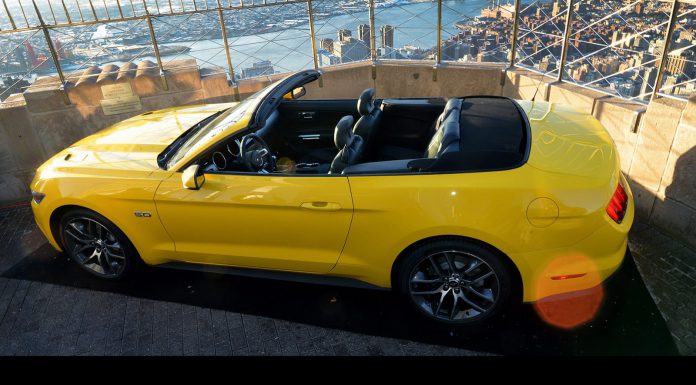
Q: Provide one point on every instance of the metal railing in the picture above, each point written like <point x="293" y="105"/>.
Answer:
<point x="634" y="49"/>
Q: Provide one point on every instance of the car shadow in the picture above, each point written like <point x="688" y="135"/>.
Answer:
<point x="628" y="321"/>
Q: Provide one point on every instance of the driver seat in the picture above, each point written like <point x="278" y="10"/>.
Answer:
<point x="370" y="117"/>
<point x="350" y="146"/>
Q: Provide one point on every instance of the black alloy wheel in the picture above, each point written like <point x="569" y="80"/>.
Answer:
<point x="453" y="281"/>
<point x="97" y="245"/>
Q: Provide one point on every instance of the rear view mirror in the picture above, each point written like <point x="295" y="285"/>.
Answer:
<point x="299" y="92"/>
<point x="193" y="177"/>
<point x="295" y="94"/>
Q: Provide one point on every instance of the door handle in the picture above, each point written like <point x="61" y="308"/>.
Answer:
<point x="323" y="206"/>
<point x="306" y="114"/>
<point x="310" y="136"/>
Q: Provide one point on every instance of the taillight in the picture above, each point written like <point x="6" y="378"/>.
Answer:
<point x="617" y="205"/>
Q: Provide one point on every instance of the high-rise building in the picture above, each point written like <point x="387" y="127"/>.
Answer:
<point x="621" y="39"/>
<point x="556" y="8"/>
<point x="685" y="35"/>
<point x="327" y="58"/>
<point x="344" y="34"/>
<point x="21" y="55"/>
<point x="648" y="74"/>
<point x="455" y="50"/>
<point x="390" y="53"/>
<point x="680" y="63"/>
<point x="581" y="7"/>
<point x="58" y="47"/>
<point x="387" y="32"/>
<point x="261" y="68"/>
<point x="639" y="42"/>
<point x="33" y="59"/>
<point x="351" y="50"/>
<point x="578" y="73"/>
<point x="670" y="84"/>
<point x="625" y="89"/>
<point x="364" y="33"/>
<point x="499" y="11"/>
<point x="547" y="64"/>
<point x="327" y="44"/>
<point x="639" y="9"/>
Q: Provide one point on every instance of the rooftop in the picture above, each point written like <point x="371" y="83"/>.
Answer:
<point x="628" y="63"/>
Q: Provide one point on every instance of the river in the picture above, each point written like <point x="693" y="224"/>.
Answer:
<point x="290" y="49"/>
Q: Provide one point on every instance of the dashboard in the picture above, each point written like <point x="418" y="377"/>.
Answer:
<point x="229" y="157"/>
<point x="225" y="158"/>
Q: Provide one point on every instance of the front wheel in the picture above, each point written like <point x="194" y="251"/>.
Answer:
<point x="97" y="245"/>
<point x="455" y="282"/>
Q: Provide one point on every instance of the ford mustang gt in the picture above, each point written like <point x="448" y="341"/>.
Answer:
<point x="463" y="206"/>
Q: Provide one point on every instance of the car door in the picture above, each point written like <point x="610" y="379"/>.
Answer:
<point x="291" y="223"/>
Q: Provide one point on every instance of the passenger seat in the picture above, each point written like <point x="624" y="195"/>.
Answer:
<point x="350" y="146"/>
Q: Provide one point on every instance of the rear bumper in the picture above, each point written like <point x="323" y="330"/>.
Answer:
<point x="581" y="266"/>
<point x="575" y="269"/>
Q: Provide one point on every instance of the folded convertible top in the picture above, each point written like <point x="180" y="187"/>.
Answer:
<point x="492" y="124"/>
<point x="494" y="135"/>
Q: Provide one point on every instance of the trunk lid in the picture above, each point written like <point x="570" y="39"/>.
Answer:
<point x="568" y="141"/>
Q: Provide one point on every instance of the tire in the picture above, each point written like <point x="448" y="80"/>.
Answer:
<point x="97" y="245"/>
<point x="477" y="291"/>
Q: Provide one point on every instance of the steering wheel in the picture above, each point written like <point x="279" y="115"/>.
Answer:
<point x="256" y="154"/>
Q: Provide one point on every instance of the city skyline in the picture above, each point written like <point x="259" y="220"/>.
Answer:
<point x="619" y="54"/>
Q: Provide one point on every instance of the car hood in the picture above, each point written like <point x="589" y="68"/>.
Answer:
<point x="568" y="141"/>
<point x="133" y="144"/>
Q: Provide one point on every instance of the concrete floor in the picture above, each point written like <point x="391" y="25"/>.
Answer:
<point x="49" y="307"/>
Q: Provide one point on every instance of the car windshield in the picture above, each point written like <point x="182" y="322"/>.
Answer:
<point x="218" y="125"/>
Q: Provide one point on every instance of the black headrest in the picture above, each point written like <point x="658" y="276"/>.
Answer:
<point x="450" y="134"/>
<point x="366" y="101"/>
<point x="343" y="134"/>
<point x="452" y="105"/>
<point x="447" y="137"/>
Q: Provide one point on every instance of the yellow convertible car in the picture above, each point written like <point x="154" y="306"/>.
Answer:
<point x="464" y="206"/>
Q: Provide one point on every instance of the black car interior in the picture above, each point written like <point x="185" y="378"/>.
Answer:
<point x="368" y="125"/>
<point x="350" y="146"/>
<point x="307" y="132"/>
<point x="369" y="136"/>
<point x="407" y="126"/>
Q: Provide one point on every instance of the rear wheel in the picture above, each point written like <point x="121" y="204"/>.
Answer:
<point x="97" y="245"/>
<point x="454" y="281"/>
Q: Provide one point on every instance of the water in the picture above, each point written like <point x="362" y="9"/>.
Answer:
<point x="290" y="49"/>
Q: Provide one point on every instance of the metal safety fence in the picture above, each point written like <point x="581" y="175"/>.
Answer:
<point x="633" y="49"/>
